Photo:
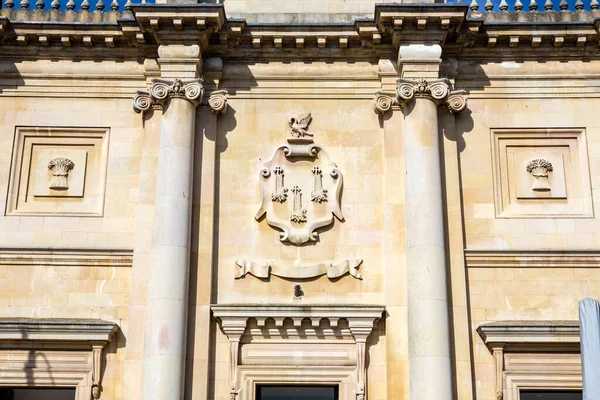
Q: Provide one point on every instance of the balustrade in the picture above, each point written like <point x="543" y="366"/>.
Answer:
<point x="475" y="5"/>
<point x="533" y="6"/>
<point x="72" y="5"/>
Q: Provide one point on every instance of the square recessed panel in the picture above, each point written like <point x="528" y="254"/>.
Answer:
<point x="541" y="173"/>
<point x="58" y="171"/>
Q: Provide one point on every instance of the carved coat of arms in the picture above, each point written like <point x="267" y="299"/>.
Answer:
<point x="300" y="193"/>
<point x="300" y="187"/>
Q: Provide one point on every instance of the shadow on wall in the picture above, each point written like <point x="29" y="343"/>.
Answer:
<point x="10" y="77"/>
<point x="473" y="73"/>
<point x="214" y="130"/>
<point x="454" y="128"/>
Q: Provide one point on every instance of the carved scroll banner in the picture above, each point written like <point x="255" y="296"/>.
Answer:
<point x="266" y="268"/>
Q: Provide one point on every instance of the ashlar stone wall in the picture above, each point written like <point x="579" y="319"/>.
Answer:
<point x="517" y="260"/>
<point x="75" y="275"/>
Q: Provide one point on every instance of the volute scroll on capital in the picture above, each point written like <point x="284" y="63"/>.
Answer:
<point x="187" y="89"/>
<point x="436" y="90"/>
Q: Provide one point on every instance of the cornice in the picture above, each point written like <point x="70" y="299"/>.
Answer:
<point x="57" y="329"/>
<point x="531" y="259"/>
<point x="292" y="311"/>
<point x="179" y="23"/>
<point x="361" y="318"/>
<point x="529" y="332"/>
<point x="419" y="23"/>
<point x="136" y="34"/>
<point x="66" y="257"/>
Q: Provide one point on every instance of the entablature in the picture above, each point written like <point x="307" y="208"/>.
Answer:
<point x="137" y="32"/>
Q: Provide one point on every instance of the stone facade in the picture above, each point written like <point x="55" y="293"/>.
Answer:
<point x="398" y="200"/>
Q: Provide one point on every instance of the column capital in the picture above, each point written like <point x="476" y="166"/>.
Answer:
<point x="191" y="90"/>
<point x="437" y="90"/>
<point x="166" y="89"/>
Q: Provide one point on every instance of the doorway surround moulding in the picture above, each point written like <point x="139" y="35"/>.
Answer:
<point x="533" y="355"/>
<point x="72" y="350"/>
<point x="234" y="320"/>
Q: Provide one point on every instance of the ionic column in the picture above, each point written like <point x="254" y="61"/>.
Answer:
<point x="179" y="91"/>
<point x="428" y="329"/>
<point x="430" y="373"/>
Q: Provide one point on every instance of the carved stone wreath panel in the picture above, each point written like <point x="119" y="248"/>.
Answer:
<point x="541" y="173"/>
<point x="58" y="171"/>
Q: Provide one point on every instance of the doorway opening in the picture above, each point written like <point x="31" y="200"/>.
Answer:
<point x="297" y="393"/>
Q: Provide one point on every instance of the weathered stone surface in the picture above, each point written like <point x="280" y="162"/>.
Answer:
<point x="469" y="255"/>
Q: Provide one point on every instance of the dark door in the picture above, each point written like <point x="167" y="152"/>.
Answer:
<point x="297" y="393"/>
<point x="551" y="395"/>
<point x="37" y="393"/>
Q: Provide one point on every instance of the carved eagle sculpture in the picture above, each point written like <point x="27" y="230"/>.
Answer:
<point x="299" y="126"/>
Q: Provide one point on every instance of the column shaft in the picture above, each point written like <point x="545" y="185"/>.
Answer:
<point x="429" y="343"/>
<point x="166" y="318"/>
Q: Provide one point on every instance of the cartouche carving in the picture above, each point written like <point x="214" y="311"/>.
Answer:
<point x="318" y="194"/>
<point x="298" y="212"/>
<point x="539" y="168"/>
<point x="60" y="168"/>
<point x="280" y="193"/>
<point x="299" y="126"/>
<point x="307" y="169"/>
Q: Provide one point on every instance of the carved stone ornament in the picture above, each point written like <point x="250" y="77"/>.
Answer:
<point x="301" y="192"/>
<point x="437" y="90"/>
<point x="300" y="125"/>
<point x="60" y="168"/>
<point x="263" y="269"/>
<point x="315" y="186"/>
<point x="217" y="101"/>
<point x="384" y="101"/>
<point x="188" y="89"/>
<point x="540" y="168"/>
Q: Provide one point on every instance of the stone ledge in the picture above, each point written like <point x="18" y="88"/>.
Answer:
<point x="529" y="332"/>
<point x="531" y="259"/>
<point x="293" y="311"/>
<point x="57" y="329"/>
<point x="67" y="257"/>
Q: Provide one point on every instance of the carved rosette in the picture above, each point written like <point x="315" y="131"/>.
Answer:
<point x="163" y="89"/>
<point x="60" y="168"/>
<point x="436" y="90"/>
